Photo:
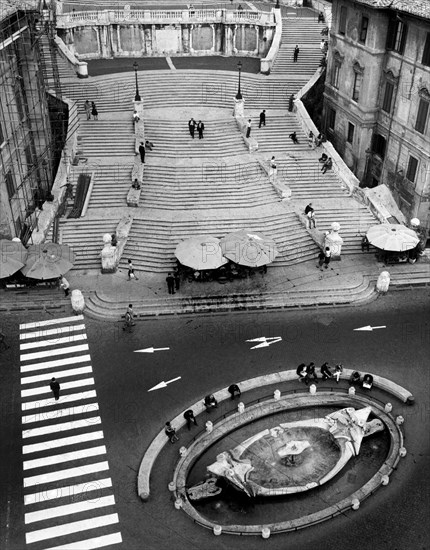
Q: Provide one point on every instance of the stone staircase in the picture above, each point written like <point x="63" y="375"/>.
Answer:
<point x="152" y="241"/>
<point x="65" y="69"/>
<point x="209" y="184"/>
<point x="303" y="30"/>
<point x="107" y="138"/>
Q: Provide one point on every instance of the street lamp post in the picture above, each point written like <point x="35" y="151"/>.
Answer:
<point x="277" y="4"/>
<point x="137" y="96"/>
<point x="239" y="93"/>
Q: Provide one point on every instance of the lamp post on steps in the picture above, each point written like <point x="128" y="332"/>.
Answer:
<point x="137" y="96"/>
<point x="239" y="94"/>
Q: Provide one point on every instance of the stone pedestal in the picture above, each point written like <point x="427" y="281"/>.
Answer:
<point x="108" y="255"/>
<point x="133" y="197"/>
<point x="239" y="108"/>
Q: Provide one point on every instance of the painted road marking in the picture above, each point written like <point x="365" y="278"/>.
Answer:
<point x="69" y="491"/>
<point x="27" y="406"/>
<point x="47" y="478"/>
<point x="55" y="342"/>
<point x="62" y="442"/>
<point x="65" y="457"/>
<point x="50" y="322"/>
<point x="67" y="528"/>
<point x="67" y="509"/>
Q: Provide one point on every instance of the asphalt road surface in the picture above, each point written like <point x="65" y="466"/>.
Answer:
<point x="121" y="418"/>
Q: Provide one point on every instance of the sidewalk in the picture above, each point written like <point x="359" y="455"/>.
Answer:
<point x="349" y="281"/>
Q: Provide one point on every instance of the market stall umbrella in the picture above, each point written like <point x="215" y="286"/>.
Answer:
<point x="48" y="261"/>
<point x="13" y="255"/>
<point x="392" y="237"/>
<point x="201" y="252"/>
<point x="249" y="248"/>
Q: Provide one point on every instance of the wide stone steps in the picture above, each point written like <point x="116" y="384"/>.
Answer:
<point x="65" y="69"/>
<point x="111" y="185"/>
<point x="172" y="139"/>
<point x="301" y="30"/>
<point x="103" y="307"/>
<point x="179" y="191"/>
<point x="152" y="243"/>
<point x="86" y="239"/>
<point x="183" y="89"/>
<point x="106" y="138"/>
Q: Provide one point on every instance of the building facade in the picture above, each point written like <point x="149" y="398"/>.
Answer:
<point x="28" y="124"/>
<point x="377" y="96"/>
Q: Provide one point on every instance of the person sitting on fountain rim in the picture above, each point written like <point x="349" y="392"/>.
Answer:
<point x="171" y="433"/>
<point x="301" y="372"/>
<point x="311" y="375"/>
<point x="338" y="369"/>
<point x="367" y="382"/>
<point x="325" y="371"/>
<point x="355" y="378"/>
<point x="210" y="402"/>
<point x="233" y="389"/>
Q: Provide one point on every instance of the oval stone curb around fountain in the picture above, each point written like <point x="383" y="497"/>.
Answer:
<point x="270" y="407"/>
<point x="160" y="440"/>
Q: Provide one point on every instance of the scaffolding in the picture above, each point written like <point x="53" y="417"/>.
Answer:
<point x="33" y="117"/>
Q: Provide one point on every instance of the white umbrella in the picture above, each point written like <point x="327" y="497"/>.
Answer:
<point x="13" y="255"/>
<point x="392" y="237"/>
<point x="202" y="252"/>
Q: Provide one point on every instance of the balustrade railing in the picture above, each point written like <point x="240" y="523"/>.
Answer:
<point x="150" y="16"/>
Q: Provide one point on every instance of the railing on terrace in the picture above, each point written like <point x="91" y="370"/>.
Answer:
<point x="106" y="17"/>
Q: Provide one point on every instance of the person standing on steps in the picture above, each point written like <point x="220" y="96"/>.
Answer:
<point x="142" y="152"/>
<point x="170" y="280"/>
<point x="262" y="118"/>
<point x="310" y="214"/>
<point x="177" y="278"/>
<point x="55" y="388"/>
<point x="291" y="103"/>
<point x="200" y="128"/>
<point x="248" y="128"/>
<point x="192" y="127"/>
<point x="296" y="53"/>
<point x="87" y="107"/>
<point x="65" y="285"/>
<point x="94" y="111"/>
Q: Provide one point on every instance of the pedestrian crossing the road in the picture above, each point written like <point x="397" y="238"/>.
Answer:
<point x="68" y="497"/>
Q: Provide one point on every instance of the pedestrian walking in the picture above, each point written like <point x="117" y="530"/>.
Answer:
<point x="177" y="278"/>
<point x="55" y="387"/>
<point x="324" y="257"/>
<point x="291" y="103"/>
<point x="200" y="129"/>
<point x="234" y="389"/>
<point x="262" y="118"/>
<point x="65" y="285"/>
<point x="320" y="17"/>
<point x="327" y="165"/>
<point x="87" y="107"/>
<point x="170" y="280"/>
<point x="311" y="217"/>
<point x="248" y="128"/>
<point x="129" y="315"/>
<point x="131" y="274"/>
<point x="142" y="152"/>
<point x="326" y="372"/>
<point x="311" y="139"/>
<point x="189" y="417"/>
<point x="296" y="53"/>
<point x="191" y="127"/>
<point x="293" y="137"/>
<point x="3" y="345"/>
<point x="170" y="431"/>
<point x="94" y="111"/>
<point x="365" y="244"/>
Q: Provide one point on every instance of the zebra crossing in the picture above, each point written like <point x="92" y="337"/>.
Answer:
<point x="68" y="497"/>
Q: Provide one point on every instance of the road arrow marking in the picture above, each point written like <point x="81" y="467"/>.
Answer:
<point x="369" y="328"/>
<point x="164" y="384"/>
<point x="265" y="342"/>
<point x="149" y="350"/>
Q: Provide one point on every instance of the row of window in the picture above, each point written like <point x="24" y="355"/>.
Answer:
<point x="378" y="144"/>
<point x="396" y="35"/>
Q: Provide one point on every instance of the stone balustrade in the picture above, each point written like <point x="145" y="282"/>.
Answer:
<point x="108" y="17"/>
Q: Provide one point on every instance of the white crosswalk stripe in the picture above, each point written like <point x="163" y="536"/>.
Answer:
<point x="68" y="494"/>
